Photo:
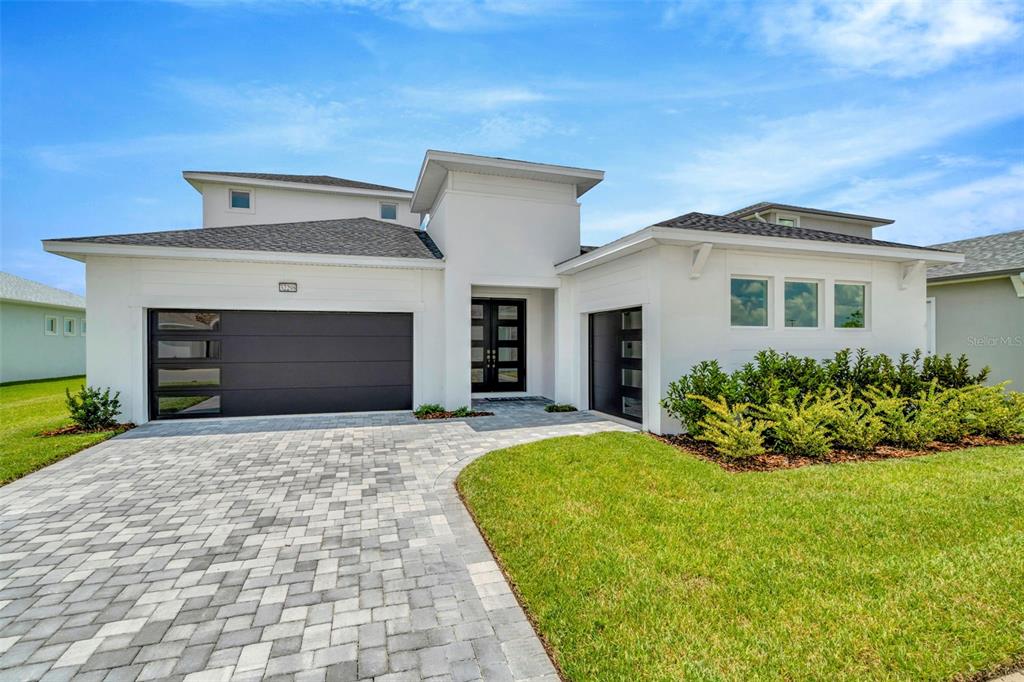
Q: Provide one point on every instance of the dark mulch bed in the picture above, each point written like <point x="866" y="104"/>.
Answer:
<point x="72" y="429"/>
<point x="771" y="461"/>
<point x="452" y="415"/>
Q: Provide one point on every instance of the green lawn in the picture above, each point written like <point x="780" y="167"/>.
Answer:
<point x="25" y="410"/>
<point x="641" y="562"/>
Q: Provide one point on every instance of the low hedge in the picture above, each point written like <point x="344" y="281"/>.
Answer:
<point x="802" y="406"/>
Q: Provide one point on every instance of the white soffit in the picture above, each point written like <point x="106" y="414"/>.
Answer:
<point x="437" y="164"/>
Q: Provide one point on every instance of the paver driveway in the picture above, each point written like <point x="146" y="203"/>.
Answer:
<point x="327" y="547"/>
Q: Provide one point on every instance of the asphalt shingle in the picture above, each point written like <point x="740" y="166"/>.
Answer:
<point x="342" y="236"/>
<point x="329" y="180"/>
<point x="14" y="288"/>
<point x="992" y="253"/>
<point x="716" y="223"/>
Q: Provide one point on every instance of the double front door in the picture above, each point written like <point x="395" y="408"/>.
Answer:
<point x="498" y="345"/>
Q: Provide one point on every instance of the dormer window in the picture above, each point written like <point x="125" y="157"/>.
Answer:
<point x="787" y="220"/>
<point x="388" y="211"/>
<point x="240" y="199"/>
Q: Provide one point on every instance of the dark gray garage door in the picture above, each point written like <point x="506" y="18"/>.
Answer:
<point x="235" y="363"/>
<point x="616" y="363"/>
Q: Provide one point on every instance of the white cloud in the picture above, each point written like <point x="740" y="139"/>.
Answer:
<point x="500" y="133"/>
<point x="252" y="117"/>
<point x="783" y="157"/>
<point x="469" y="99"/>
<point x="895" y="37"/>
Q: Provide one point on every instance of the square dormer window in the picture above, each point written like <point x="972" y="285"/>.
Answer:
<point x="240" y="199"/>
<point x="388" y="211"/>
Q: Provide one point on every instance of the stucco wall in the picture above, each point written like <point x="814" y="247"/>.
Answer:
<point x="985" y="320"/>
<point x="496" y="232"/>
<point x="122" y="289"/>
<point x="688" y="320"/>
<point x="27" y="352"/>
<point x="273" y="205"/>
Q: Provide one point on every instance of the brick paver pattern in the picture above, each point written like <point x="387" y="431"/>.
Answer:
<point x="328" y="547"/>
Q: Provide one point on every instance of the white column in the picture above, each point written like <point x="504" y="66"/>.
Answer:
<point x="458" y="296"/>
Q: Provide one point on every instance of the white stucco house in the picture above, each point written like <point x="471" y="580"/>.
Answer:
<point x="318" y="294"/>
<point x="42" y="331"/>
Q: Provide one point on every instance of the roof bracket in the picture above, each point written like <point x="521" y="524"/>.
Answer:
<point x="1018" y="284"/>
<point x="910" y="270"/>
<point x="698" y="257"/>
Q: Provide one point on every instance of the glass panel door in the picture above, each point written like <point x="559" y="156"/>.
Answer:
<point x="498" y="345"/>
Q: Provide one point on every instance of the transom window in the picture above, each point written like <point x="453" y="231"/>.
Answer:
<point x="241" y="199"/>
<point x="388" y="211"/>
<point x="801" y="304"/>
<point x="748" y="302"/>
<point x="851" y="306"/>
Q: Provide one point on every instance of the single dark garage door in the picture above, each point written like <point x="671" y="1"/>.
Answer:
<point x="235" y="363"/>
<point x="616" y="363"/>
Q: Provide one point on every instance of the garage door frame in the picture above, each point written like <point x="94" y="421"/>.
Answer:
<point x="399" y="394"/>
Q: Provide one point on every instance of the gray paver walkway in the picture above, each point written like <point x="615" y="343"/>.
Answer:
<point x="306" y="548"/>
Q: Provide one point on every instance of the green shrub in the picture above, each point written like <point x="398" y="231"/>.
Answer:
<point x="730" y="430"/>
<point x="993" y="411"/>
<point x="705" y="380"/>
<point x="909" y="422"/>
<point x="92" y="409"/>
<point x="428" y="409"/>
<point x="801" y="427"/>
<point x="461" y="412"/>
<point x="855" y="423"/>
<point x="560" y="407"/>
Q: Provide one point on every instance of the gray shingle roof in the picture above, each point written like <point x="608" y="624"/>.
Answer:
<point x="766" y="205"/>
<point x="992" y="253"/>
<point x="716" y="223"/>
<point x="329" y="180"/>
<point x="340" y="237"/>
<point x="14" y="288"/>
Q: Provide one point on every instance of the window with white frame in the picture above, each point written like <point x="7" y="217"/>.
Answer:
<point x="388" y="211"/>
<point x="50" y="325"/>
<point x="70" y="326"/>
<point x="748" y="301"/>
<point x="801" y="303"/>
<point x="851" y="309"/>
<point x="788" y="220"/>
<point x="240" y="199"/>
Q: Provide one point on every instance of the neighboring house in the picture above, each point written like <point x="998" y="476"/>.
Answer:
<point x="977" y="307"/>
<point x="42" y="331"/>
<point x="351" y="307"/>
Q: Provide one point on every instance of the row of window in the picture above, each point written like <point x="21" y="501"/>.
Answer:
<point x="73" y="326"/>
<point x="242" y="200"/>
<point x="750" y="298"/>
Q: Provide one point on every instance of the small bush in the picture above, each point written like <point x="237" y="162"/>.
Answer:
<point x="559" y="407"/>
<point x="909" y="422"/>
<point x="855" y="423"/>
<point x="801" y="428"/>
<point x="461" y="412"/>
<point x="92" y="409"/>
<point x="992" y="411"/>
<point x="730" y="430"/>
<point x="428" y="409"/>
<point x="682" y="399"/>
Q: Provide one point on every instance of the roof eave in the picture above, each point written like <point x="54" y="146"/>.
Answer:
<point x="436" y="165"/>
<point x="198" y="179"/>
<point x="852" y="217"/>
<point x="986" y="274"/>
<point x="82" y="250"/>
<point x="686" y="237"/>
<point x="44" y="304"/>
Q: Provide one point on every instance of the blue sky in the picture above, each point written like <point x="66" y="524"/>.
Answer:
<point x="907" y="110"/>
